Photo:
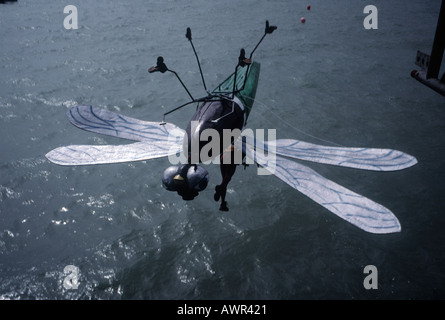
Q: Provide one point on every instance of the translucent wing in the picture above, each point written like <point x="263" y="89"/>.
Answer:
<point x="155" y="140"/>
<point x="102" y="154"/>
<point x="359" y="158"/>
<point x="102" y="121"/>
<point x="352" y="207"/>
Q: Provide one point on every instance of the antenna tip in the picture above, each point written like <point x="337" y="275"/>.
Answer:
<point x="188" y="35"/>
<point x="269" y="28"/>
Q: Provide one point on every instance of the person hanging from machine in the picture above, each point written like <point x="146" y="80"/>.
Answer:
<point x="228" y="164"/>
<point x="228" y="168"/>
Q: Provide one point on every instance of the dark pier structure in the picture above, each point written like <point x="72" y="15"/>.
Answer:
<point x="430" y="64"/>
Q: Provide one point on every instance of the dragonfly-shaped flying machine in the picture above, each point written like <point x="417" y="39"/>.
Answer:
<point x="227" y="108"/>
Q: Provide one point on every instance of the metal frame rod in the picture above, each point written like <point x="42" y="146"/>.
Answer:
<point x="438" y="46"/>
<point x="177" y="76"/>
<point x="199" y="65"/>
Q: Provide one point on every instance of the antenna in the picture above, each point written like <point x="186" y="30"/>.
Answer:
<point x="243" y="61"/>
<point x="161" y="67"/>
<point x="188" y="35"/>
<point x="269" y="29"/>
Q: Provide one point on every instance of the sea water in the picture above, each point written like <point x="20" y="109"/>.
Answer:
<point x="113" y="232"/>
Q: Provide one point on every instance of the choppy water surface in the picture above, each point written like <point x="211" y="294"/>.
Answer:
<point x="326" y="81"/>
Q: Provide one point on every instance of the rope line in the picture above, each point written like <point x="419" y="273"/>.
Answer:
<point x="289" y="124"/>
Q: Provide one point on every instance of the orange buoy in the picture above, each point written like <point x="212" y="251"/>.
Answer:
<point x="303" y="19"/>
<point x="308" y="7"/>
